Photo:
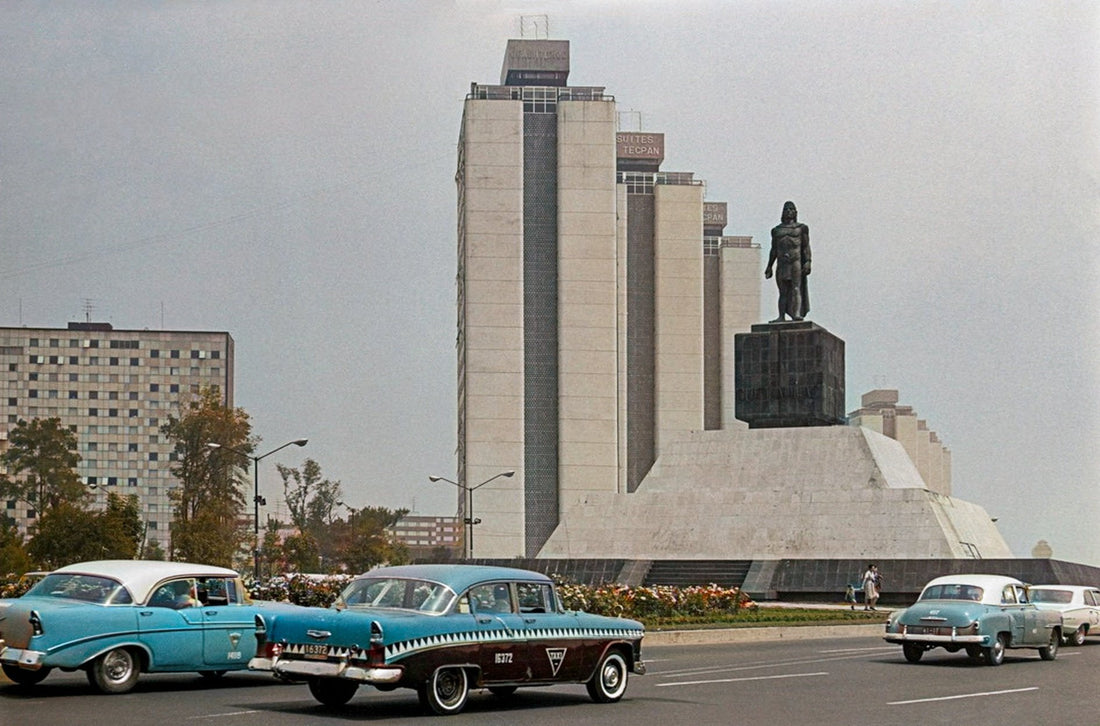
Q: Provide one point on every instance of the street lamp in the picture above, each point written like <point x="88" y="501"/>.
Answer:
<point x="256" y="494"/>
<point x="469" y="520"/>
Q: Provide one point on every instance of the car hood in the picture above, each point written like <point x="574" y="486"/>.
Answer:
<point x="941" y="612"/>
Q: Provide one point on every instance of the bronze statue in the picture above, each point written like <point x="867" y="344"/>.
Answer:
<point x="791" y="256"/>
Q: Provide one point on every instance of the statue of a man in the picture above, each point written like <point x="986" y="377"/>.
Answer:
<point x="791" y="256"/>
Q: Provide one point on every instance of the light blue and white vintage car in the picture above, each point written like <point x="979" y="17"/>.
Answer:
<point x="1079" y="606"/>
<point x="444" y="629"/>
<point x="981" y="614"/>
<point x="117" y="618"/>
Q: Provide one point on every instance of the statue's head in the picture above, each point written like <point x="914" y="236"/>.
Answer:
<point x="790" y="212"/>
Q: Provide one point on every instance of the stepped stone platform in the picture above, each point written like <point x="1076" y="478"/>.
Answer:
<point x="827" y="492"/>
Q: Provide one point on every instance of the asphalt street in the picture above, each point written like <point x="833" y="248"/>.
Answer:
<point x="855" y="679"/>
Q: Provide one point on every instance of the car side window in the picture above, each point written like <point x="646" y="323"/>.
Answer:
<point x="494" y="598"/>
<point x="212" y="591"/>
<point x="1090" y="597"/>
<point x="1021" y="594"/>
<point x="1008" y="595"/>
<point x="177" y="594"/>
<point x="533" y="597"/>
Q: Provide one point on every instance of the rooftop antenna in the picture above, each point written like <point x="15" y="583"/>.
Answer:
<point x="89" y="306"/>
<point x="626" y="119"/>
<point x="533" y="24"/>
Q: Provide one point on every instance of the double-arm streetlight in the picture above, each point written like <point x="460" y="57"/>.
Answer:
<point x="256" y="493"/>
<point x="469" y="520"/>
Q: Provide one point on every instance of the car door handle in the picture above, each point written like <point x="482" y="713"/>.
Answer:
<point x="145" y="613"/>
<point x="483" y="621"/>
<point x="211" y="613"/>
<point x="529" y="620"/>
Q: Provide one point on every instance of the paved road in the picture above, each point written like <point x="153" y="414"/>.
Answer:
<point x="851" y="680"/>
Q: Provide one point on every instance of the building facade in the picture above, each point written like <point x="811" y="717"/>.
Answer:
<point x="597" y="300"/>
<point x="427" y="536"/>
<point x="113" y="389"/>
<point x="880" y="412"/>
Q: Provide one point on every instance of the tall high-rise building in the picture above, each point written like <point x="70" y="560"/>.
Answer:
<point x="879" y="411"/>
<point x="113" y="389"/>
<point x="597" y="300"/>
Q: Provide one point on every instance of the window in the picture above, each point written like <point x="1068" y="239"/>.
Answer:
<point x="93" y="411"/>
<point x="154" y="353"/>
<point x="152" y="456"/>
<point x="135" y="361"/>
<point x="74" y="360"/>
<point x="133" y="396"/>
<point x="174" y="354"/>
<point x="133" y="412"/>
<point x="93" y="395"/>
<point x="131" y="447"/>
<point x="113" y="360"/>
<point x="174" y="388"/>
<point x="73" y="394"/>
<point x="132" y="481"/>
<point x="154" y="387"/>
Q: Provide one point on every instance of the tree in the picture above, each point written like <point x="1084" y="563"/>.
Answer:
<point x="368" y="543"/>
<point x="209" y="502"/>
<point x="67" y="533"/>
<point x="152" y="550"/>
<point x="13" y="555"/>
<point x="42" y="458"/>
<point x="312" y="502"/>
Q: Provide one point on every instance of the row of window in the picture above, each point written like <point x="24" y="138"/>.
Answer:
<point x="94" y="395"/>
<point x="115" y="377"/>
<point x="114" y="344"/>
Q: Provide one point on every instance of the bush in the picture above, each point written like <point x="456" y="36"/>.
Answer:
<point x="661" y="601"/>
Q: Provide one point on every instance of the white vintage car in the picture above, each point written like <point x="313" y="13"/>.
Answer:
<point x="1078" y="604"/>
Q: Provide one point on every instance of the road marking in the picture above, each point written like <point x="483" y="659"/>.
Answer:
<point x="879" y="649"/>
<point x="962" y="695"/>
<point x="704" y="670"/>
<point x="221" y="715"/>
<point x="737" y="680"/>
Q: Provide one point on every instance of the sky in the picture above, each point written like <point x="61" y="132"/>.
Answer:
<point x="284" y="171"/>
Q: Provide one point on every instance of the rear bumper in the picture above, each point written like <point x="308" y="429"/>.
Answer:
<point x="28" y="659"/>
<point x="378" y="675"/>
<point x="983" y="640"/>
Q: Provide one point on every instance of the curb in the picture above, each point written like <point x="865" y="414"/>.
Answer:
<point x="657" y="638"/>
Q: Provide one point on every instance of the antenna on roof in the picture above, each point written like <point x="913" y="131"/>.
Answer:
<point x="532" y="24"/>
<point x="88" y="308"/>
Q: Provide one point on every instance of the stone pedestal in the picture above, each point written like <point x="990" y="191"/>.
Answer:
<point x="789" y="374"/>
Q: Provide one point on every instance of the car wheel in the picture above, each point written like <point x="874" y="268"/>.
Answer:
<point x="212" y="675"/>
<point x="974" y="651"/>
<point x="446" y="691"/>
<point x="116" y="671"/>
<point x="502" y="691"/>
<point x="332" y="691"/>
<point x="24" y="677"/>
<point x="1078" y="636"/>
<point x="912" y="652"/>
<point x="608" y="683"/>
<point x="995" y="654"/>
<point x="1051" y="651"/>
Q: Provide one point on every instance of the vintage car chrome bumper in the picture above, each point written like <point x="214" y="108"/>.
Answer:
<point x="983" y="640"/>
<point x="323" y="669"/>
<point x="29" y="659"/>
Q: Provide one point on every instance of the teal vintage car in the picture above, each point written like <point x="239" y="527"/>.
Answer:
<point x="981" y="614"/>
<point x="115" y="619"/>
<point x="442" y="630"/>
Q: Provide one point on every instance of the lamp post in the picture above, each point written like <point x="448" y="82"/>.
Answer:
<point x="469" y="520"/>
<point x="256" y="494"/>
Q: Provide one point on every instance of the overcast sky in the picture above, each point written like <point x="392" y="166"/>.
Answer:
<point x="284" y="171"/>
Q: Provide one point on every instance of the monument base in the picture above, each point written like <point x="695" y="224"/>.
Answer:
<point x="788" y="375"/>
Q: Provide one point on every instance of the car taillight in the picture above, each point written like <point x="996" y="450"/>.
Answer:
<point x="36" y="623"/>
<point x="269" y="650"/>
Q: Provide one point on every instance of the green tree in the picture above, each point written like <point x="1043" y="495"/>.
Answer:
<point x="209" y="502"/>
<point x="41" y="459"/>
<point x="312" y="502"/>
<point x="121" y="527"/>
<point x="152" y="550"/>
<point x="64" y="535"/>
<point x="13" y="555"/>
<point x="68" y="533"/>
<point x="368" y="543"/>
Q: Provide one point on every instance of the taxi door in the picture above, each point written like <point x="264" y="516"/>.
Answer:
<point x="229" y="627"/>
<point x="554" y="650"/>
<point x="501" y="653"/>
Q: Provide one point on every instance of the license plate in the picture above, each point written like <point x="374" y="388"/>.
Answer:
<point x="315" y="651"/>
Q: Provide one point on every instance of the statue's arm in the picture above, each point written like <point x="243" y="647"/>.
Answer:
<point x="805" y="250"/>
<point x="771" y="259"/>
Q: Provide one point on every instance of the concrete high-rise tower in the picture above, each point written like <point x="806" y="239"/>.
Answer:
<point x="591" y="327"/>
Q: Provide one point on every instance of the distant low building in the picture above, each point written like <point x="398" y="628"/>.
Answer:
<point x="426" y="535"/>
<point x="880" y="412"/>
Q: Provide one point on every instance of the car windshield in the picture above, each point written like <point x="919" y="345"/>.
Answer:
<point x="952" y="591"/>
<point x="1062" y="597"/>
<point x="87" y="588"/>
<point x="393" y="592"/>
